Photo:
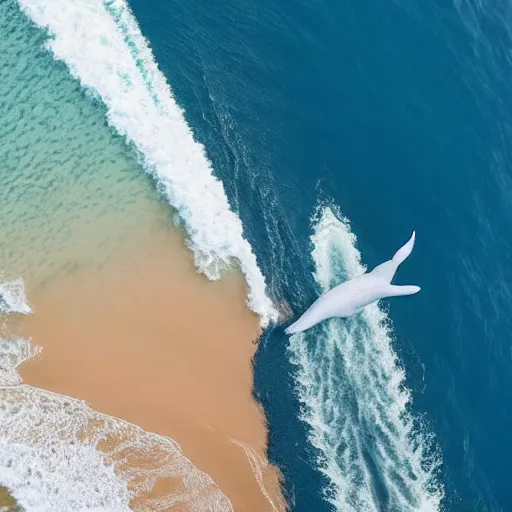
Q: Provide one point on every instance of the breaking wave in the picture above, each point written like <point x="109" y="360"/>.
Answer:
<point x="102" y="46"/>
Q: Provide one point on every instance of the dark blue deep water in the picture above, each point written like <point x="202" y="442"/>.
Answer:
<point x="400" y="113"/>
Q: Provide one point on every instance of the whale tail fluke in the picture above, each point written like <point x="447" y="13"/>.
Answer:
<point x="404" y="251"/>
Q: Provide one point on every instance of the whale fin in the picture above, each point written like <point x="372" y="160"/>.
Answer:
<point x="388" y="269"/>
<point x="396" y="291"/>
<point x="405" y="250"/>
<point x="385" y="270"/>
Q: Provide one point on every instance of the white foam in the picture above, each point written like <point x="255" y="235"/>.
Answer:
<point x="354" y="398"/>
<point x="61" y="477"/>
<point x="57" y="455"/>
<point x="103" y="48"/>
<point x="13" y="352"/>
<point x="12" y="297"/>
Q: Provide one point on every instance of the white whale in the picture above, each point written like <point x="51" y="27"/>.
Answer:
<point x="349" y="297"/>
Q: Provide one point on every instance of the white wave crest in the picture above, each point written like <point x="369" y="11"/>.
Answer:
<point x="372" y="450"/>
<point x="103" y="48"/>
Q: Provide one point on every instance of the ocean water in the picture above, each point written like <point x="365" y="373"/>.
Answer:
<point x="306" y="141"/>
<point x="70" y="189"/>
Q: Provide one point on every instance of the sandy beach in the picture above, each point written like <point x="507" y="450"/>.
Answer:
<point x="147" y="339"/>
<point x="7" y="502"/>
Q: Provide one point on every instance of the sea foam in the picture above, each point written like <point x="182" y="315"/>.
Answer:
<point x="12" y="297"/>
<point x="102" y="46"/>
<point x="57" y="454"/>
<point x="370" y="447"/>
<point x="14" y="350"/>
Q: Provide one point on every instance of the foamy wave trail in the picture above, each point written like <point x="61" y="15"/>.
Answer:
<point x="375" y="454"/>
<point x="103" y="48"/>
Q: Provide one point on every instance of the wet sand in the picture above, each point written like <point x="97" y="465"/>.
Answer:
<point x="147" y="339"/>
<point x="7" y="502"/>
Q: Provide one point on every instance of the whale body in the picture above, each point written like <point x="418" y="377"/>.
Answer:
<point x="351" y="296"/>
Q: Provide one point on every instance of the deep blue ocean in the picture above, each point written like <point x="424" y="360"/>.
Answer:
<point x="401" y="113"/>
<point x="336" y="129"/>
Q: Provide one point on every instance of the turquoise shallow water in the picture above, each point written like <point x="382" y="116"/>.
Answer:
<point x="71" y="189"/>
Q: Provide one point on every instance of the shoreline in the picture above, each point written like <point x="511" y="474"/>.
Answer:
<point x="147" y="339"/>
